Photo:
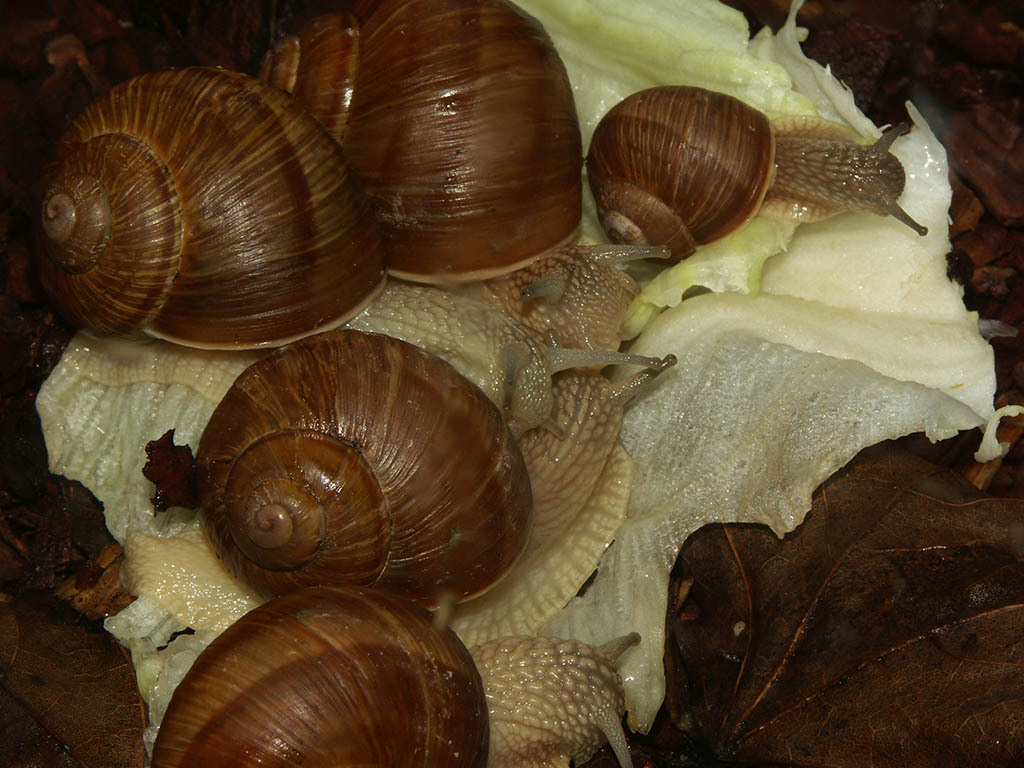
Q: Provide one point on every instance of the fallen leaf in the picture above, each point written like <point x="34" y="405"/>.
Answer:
<point x="96" y="590"/>
<point x="171" y="469"/>
<point x="48" y="539"/>
<point x="67" y="693"/>
<point x="887" y="630"/>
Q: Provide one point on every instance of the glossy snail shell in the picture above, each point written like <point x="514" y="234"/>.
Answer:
<point x="683" y="166"/>
<point x="329" y="677"/>
<point x="460" y="119"/>
<point x="203" y="207"/>
<point x="357" y="458"/>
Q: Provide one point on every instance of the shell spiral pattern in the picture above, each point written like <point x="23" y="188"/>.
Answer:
<point x="679" y="166"/>
<point x="196" y="205"/>
<point x="357" y="458"/>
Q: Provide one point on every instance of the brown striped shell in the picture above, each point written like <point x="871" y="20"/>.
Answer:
<point x="200" y="206"/>
<point x="679" y="166"/>
<point x="329" y="677"/>
<point x="460" y="119"/>
<point x="349" y="457"/>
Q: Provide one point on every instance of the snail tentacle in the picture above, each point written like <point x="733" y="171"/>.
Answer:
<point x="819" y="176"/>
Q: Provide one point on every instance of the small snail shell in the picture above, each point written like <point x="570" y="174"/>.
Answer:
<point x="357" y="458"/>
<point x="329" y="677"/>
<point x="683" y="166"/>
<point x="460" y="120"/>
<point x="202" y="207"/>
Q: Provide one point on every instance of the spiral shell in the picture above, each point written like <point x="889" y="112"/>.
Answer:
<point x="357" y="458"/>
<point x="329" y="677"/>
<point x="202" y="207"/>
<point x="679" y="166"/>
<point x="460" y="119"/>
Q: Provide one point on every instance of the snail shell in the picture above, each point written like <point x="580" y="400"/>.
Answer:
<point x="202" y="207"/>
<point x="357" y="458"/>
<point x="329" y="677"/>
<point x="460" y="120"/>
<point x="683" y="166"/>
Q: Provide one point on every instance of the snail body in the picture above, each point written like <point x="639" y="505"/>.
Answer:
<point x="572" y="297"/>
<point x="682" y="166"/>
<point x="551" y="700"/>
<point x="353" y="458"/>
<point x="194" y="205"/>
<point x="459" y="118"/>
<point x="506" y="361"/>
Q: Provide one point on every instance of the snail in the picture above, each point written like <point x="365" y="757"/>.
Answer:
<point x="460" y="121"/>
<point x="683" y="166"/>
<point x="195" y="205"/>
<point x="343" y="676"/>
<point x="357" y="458"/>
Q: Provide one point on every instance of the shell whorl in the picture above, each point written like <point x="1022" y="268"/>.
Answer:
<point x="318" y="67"/>
<point x="76" y="212"/>
<point x="195" y="205"/>
<point x="329" y="677"/>
<point x="357" y="458"/>
<point x="283" y="488"/>
<point x="112" y="201"/>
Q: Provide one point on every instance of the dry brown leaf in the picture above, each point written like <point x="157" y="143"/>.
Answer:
<point x="67" y="692"/>
<point x="171" y="469"/>
<point x="888" y="630"/>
